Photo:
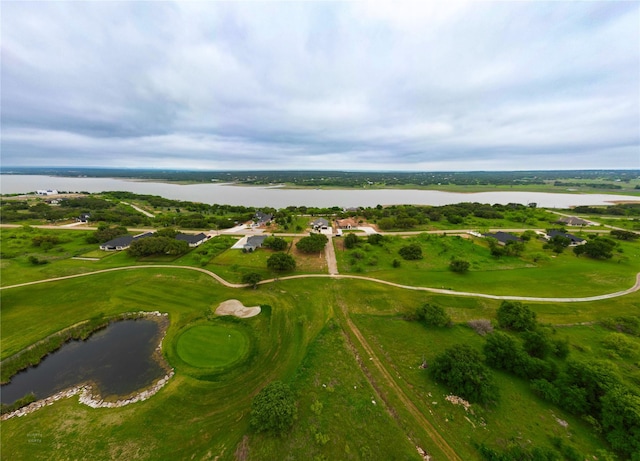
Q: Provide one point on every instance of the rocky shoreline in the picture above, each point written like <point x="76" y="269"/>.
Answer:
<point x="86" y="391"/>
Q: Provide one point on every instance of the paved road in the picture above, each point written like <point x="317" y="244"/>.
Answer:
<point x="330" y="255"/>
<point x="222" y="281"/>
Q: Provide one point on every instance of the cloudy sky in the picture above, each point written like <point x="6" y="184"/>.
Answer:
<point x="319" y="85"/>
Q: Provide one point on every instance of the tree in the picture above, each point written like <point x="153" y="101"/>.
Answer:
<point x="314" y="243"/>
<point x="503" y="351"/>
<point x="459" y="265"/>
<point x="557" y="244"/>
<point x="411" y="252"/>
<point x="275" y="243"/>
<point x="375" y="239"/>
<point x="149" y="246"/>
<point x="624" y="235"/>
<point x="433" y="315"/>
<point x="281" y="262"/>
<point x="461" y="370"/>
<point x="512" y="315"/>
<point x="273" y="409"/>
<point x="252" y="278"/>
<point x="597" y="248"/>
<point x="106" y="233"/>
<point x="537" y="343"/>
<point x="168" y="232"/>
<point x="621" y="421"/>
<point x="350" y="240"/>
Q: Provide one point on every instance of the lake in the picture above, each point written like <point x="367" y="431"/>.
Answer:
<point x="118" y="360"/>
<point x="250" y="196"/>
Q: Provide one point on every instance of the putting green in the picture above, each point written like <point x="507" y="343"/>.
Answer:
<point x="212" y="346"/>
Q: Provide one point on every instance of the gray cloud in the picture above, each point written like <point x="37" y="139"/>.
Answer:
<point x="477" y="85"/>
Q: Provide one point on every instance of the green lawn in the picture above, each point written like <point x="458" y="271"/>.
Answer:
<point x="212" y="346"/>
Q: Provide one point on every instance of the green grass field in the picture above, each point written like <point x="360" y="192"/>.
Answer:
<point x="348" y="407"/>
<point x="212" y="346"/>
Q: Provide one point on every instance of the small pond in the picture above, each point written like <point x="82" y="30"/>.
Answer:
<point x="119" y="360"/>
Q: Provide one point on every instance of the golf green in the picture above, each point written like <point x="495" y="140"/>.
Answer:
<point x="212" y="346"/>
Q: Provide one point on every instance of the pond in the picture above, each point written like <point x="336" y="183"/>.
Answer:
<point x="119" y="360"/>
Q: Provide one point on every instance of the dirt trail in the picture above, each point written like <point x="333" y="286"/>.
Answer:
<point x="390" y="383"/>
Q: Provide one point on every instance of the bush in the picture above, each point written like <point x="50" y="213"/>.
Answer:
<point x="481" y="326"/>
<point x="461" y="370"/>
<point x="619" y="345"/>
<point x="281" y="262"/>
<point x="512" y="315"/>
<point x="252" y="278"/>
<point x="459" y="265"/>
<point x="433" y="315"/>
<point x="411" y="252"/>
<point x="275" y="243"/>
<point x="537" y="343"/>
<point x="597" y="248"/>
<point x="350" y="240"/>
<point x="314" y="243"/>
<point x="273" y="409"/>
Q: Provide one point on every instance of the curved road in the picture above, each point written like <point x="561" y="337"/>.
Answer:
<point x="222" y="281"/>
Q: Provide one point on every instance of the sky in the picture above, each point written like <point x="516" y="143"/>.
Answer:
<point x="418" y="86"/>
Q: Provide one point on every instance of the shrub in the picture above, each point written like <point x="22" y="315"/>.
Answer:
<point x="513" y="315"/>
<point x="350" y="240"/>
<point x="252" y="279"/>
<point x="481" y="326"/>
<point x="459" y="265"/>
<point x="275" y="243"/>
<point x="281" y="262"/>
<point x="433" y="315"/>
<point x="461" y="370"/>
<point x="273" y="409"/>
<point x="411" y="252"/>
<point x="314" y="243"/>
<point x="619" y="345"/>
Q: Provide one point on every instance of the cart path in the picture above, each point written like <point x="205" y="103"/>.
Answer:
<point x="393" y="386"/>
<point x="222" y="281"/>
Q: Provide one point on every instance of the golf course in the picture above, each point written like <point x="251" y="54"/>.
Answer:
<point x="350" y="346"/>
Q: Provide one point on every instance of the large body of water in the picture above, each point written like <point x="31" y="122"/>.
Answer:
<point x="227" y="194"/>
<point x="118" y="360"/>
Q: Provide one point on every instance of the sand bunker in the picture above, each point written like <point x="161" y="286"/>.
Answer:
<point x="235" y="307"/>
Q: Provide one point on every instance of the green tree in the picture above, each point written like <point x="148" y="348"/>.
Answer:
<point x="461" y="370"/>
<point x="512" y="315"/>
<point x="503" y="351"/>
<point x="350" y="240"/>
<point x="537" y="343"/>
<point x="624" y="235"/>
<point x="273" y="409"/>
<point x="459" y="265"/>
<point x="621" y="421"/>
<point x="314" y="243"/>
<point x="597" y="248"/>
<point x="557" y="244"/>
<point x="433" y="315"/>
<point x="281" y="262"/>
<point x="275" y="243"/>
<point x="168" y="232"/>
<point x="410" y="252"/>
<point x="252" y="279"/>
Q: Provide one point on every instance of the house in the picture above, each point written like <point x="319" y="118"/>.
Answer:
<point x="320" y="224"/>
<point x="503" y="237"/>
<point x="575" y="241"/>
<point x="262" y="219"/>
<point x="347" y="223"/>
<point x="254" y="242"/>
<point x="47" y="192"/>
<point x="122" y="243"/>
<point x="191" y="239"/>
<point x="573" y="221"/>
<point x="84" y="217"/>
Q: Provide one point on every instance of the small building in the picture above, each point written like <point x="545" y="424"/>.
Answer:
<point x="503" y="237"/>
<point x="262" y="219"/>
<point x="124" y="242"/>
<point x="192" y="239"/>
<point x="575" y="241"/>
<point x="47" y="192"/>
<point x="320" y="224"/>
<point x="573" y="221"/>
<point x="84" y="217"/>
<point x="254" y="242"/>
<point x="347" y="223"/>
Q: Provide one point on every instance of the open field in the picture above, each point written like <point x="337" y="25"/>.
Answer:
<point x="345" y="347"/>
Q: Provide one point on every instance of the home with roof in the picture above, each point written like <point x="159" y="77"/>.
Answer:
<point x="192" y="239"/>
<point x="262" y="219"/>
<point x="573" y="221"/>
<point x="502" y="237"/>
<point x="320" y="224"/>
<point x="123" y="242"/>
<point x="575" y="241"/>
<point x="347" y="223"/>
<point x="253" y="243"/>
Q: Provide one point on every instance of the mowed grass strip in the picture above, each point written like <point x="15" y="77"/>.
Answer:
<point x="212" y="346"/>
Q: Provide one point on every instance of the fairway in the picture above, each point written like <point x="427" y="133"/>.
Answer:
<point x="212" y="346"/>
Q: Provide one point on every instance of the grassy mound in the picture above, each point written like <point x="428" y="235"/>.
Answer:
<point x="212" y="346"/>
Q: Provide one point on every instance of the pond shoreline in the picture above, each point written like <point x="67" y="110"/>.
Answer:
<point x="87" y="391"/>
